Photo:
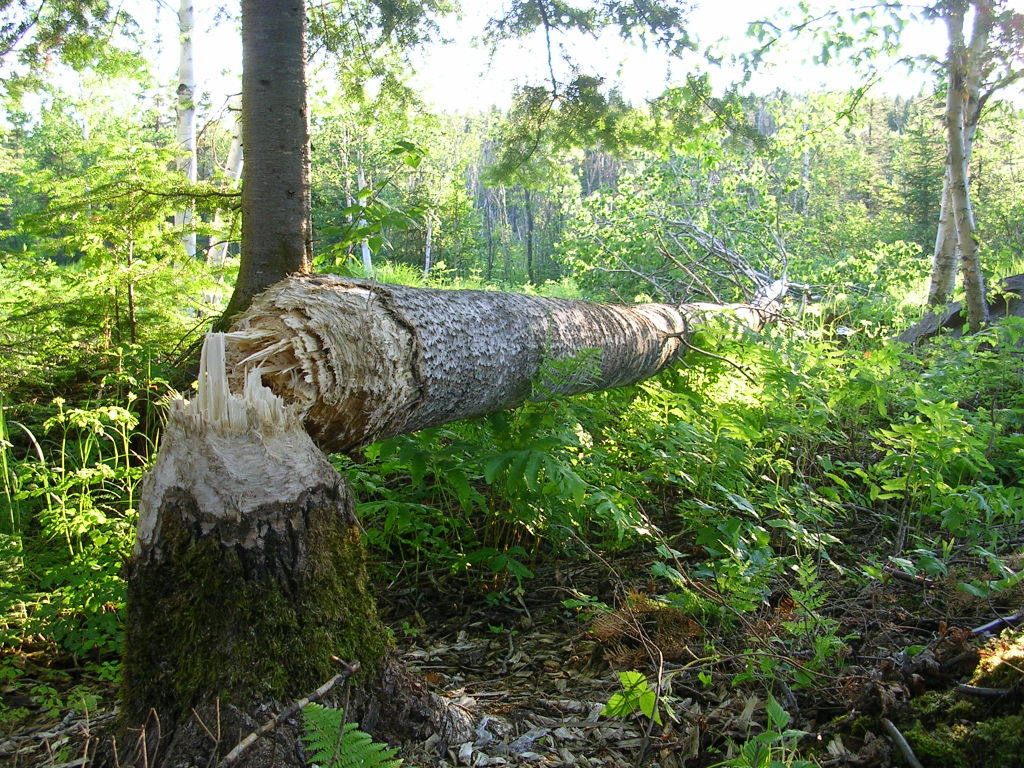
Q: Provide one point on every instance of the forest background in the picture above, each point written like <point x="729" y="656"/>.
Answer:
<point x="811" y="460"/>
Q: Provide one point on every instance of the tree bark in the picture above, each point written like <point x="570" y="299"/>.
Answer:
<point x="247" y="577"/>
<point x="247" y="573"/>
<point x="965" y="66"/>
<point x="944" y="259"/>
<point x="276" y="232"/>
<point x="360" y="361"/>
<point x="364" y="244"/>
<point x="957" y="142"/>
<point x="186" y="114"/>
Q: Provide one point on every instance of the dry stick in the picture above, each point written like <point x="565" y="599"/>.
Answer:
<point x="901" y="743"/>
<point x="267" y="727"/>
<point x="344" y="716"/>
<point x="989" y="693"/>
<point x="997" y="624"/>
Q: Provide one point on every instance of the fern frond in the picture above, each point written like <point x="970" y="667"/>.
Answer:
<point x="356" y="749"/>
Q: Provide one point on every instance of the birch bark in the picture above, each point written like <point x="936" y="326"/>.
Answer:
<point x="964" y="102"/>
<point x="964" y="80"/>
<point x="945" y="257"/>
<point x="364" y="244"/>
<point x="186" y="121"/>
<point x="428" y="245"/>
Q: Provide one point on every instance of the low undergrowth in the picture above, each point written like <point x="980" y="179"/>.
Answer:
<point x="763" y="485"/>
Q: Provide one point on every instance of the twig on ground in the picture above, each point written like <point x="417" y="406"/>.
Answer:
<point x="997" y="624"/>
<point x="244" y="745"/>
<point x="985" y="693"/>
<point x="901" y="743"/>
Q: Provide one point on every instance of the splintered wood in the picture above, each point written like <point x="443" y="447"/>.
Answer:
<point x="235" y="448"/>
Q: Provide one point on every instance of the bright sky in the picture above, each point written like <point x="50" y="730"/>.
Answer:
<point x="459" y="75"/>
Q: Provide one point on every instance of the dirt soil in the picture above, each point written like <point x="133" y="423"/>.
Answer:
<point x="913" y="678"/>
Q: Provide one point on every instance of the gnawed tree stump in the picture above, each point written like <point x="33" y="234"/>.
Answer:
<point x="247" y="577"/>
<point x="248" y="572"/>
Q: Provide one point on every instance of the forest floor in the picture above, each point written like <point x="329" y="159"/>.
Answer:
<point x="536" y="675"/>
<point x="911" y="668"/>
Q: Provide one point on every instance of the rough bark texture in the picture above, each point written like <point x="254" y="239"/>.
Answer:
<point x="276" y="234"/>
<point x="361" y="361"/>
<point x="247" y="577"/>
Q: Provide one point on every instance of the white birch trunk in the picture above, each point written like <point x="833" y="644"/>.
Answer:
<point x="966" y="70"/>
<point x="364" y="244"/>
<point x="186" y="113"/>
<point x="962" y="71"/>
<point x="217" y="256"/>
<point x="428" y="248"/>
<point x="945" y="257"/>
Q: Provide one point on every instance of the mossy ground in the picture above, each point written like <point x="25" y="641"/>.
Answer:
<point x="954" y="729"/>
<point x="998" y="741"/>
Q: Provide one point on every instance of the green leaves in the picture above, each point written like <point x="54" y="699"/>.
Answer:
<point x="333" y="743"/>
<point x="634" y="697"/>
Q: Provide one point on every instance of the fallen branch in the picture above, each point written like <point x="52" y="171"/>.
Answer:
<point x="244" y="745"/>
<point x="901" y="743"/>
<point x="997" y="624"/>
<point x="983" y="693"/>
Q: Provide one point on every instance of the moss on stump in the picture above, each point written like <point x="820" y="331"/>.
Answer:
<point x="247" y="624"/>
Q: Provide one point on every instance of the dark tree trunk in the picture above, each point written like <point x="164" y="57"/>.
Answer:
<point x="276" y="233"/>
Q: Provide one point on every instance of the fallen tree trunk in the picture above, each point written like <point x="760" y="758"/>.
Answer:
<point x="360" y="361"/>
<point x="1004" y="301"/>
<point x="248" y="572"/>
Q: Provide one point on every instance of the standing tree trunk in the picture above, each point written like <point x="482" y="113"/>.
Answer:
<point x="364" y="244"/>
<point x="186" y="150"/>
<point x="944" y="260"/>
<point x="964" y="103"/>
<point x="428" y="243"/>
<point x="276" y="232"/>
<point x="962" y="83"/>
